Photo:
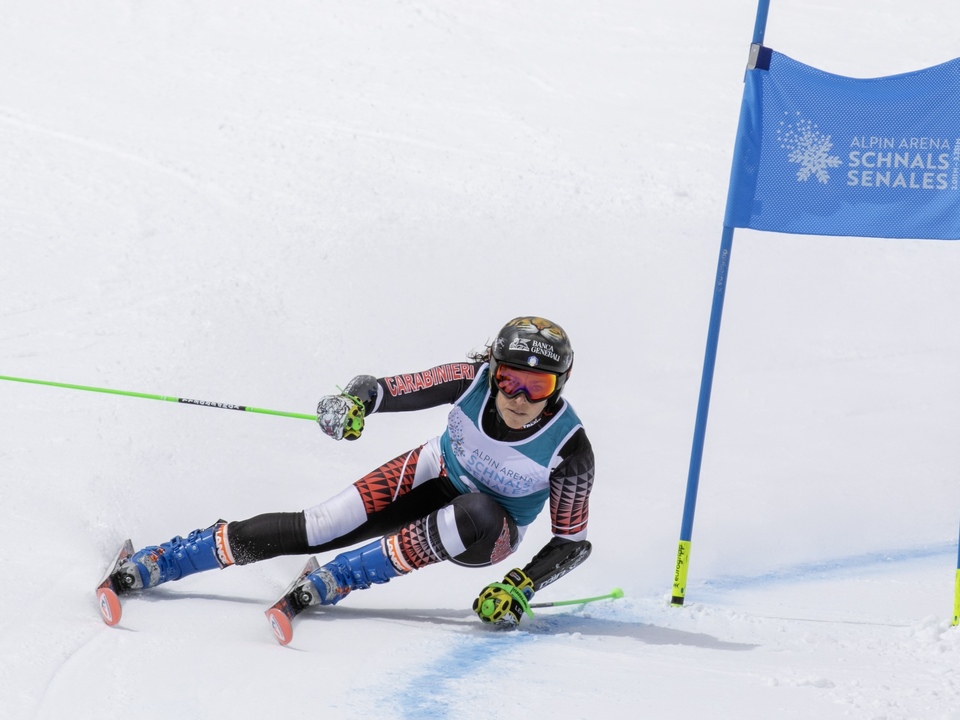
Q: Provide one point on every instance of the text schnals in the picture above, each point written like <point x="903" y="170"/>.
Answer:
<point x="497" y="476"/>
<point x="908" y="163"/>
<point x="404" y="384"/>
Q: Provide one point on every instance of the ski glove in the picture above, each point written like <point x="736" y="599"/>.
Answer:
<point x="340" y="416"/>
<point x="504" y="603"/>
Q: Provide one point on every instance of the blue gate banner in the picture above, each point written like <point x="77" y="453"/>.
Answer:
<point x="823" y="154"/>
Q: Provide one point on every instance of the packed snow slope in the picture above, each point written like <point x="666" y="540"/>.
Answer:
<point x="252" y="202"/>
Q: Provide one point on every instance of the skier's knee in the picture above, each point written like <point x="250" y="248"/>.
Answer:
<point x="486" y="531"/>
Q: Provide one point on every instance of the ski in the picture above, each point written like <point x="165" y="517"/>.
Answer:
<point x="108" y="590"/>
<point x="282" y="612"/>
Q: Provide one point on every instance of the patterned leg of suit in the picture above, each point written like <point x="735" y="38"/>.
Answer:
<point x="408" y="501"/>
<point x="472" y="530"/>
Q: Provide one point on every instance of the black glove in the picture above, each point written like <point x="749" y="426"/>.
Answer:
<point x="504" y="603"/>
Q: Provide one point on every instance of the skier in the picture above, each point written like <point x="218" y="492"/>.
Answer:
<point x="511" y="443"/>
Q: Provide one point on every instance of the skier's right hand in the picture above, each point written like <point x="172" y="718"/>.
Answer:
<point x="340" y="416"/>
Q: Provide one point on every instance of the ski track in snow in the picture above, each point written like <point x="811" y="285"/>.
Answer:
<point x="830" y="568"/>
<point x="185" y="179"/>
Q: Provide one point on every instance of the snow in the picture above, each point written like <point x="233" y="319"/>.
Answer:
<point x="251" y="202"/>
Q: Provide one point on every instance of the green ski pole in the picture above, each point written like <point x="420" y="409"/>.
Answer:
<point x="612" y="595"/>
<point x="166" y="398"/>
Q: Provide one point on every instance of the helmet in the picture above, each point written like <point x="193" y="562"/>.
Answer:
<point x="533" y="343"/>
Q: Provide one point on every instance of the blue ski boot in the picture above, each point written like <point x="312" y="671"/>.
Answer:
<point x="200" y="550"/>
<point x="353" y="570"/>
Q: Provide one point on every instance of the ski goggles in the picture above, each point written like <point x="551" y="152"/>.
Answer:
<point x="537" y="385"/>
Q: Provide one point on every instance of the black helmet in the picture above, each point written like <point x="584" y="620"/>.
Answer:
<point x="533" y="343"/>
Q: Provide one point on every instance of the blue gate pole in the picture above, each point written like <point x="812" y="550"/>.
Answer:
<point x="956" y="592"/>
<point x="760" y="26"/>
<point x="703" y="408"/>
<point x="706" y="381"/>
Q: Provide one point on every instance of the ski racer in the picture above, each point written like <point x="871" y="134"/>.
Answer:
<point x="512" y="443"/>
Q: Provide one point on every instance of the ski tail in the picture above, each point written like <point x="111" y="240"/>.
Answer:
<point x="282" y="613"/>
<point x="108" y="591"/>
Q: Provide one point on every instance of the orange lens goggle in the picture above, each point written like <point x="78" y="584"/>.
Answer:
<point x="535" y="384"/>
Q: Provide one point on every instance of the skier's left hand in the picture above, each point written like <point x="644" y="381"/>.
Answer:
<point x="503" y="604"/>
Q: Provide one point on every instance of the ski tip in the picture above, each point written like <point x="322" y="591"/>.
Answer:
<point x="280" y="624"/>
<point x="109" y="605"/>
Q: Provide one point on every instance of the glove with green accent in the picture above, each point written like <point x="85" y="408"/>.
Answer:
<point x="340" y="416"/>
<point x="503" y="604"/>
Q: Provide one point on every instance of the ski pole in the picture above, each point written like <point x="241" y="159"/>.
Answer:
<point x="184" y="401"/>
<point x="612" y="595"/>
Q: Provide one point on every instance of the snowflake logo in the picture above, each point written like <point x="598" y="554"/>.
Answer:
<point x="809" y="148"/>
<point x="455" y="427"/>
